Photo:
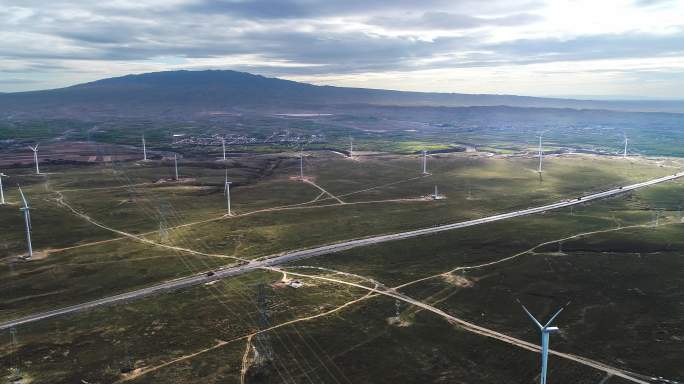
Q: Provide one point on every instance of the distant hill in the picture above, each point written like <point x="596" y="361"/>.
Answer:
<point x="193" y="94"/>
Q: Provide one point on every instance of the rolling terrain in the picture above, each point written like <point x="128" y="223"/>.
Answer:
<point x="187" y="95"/>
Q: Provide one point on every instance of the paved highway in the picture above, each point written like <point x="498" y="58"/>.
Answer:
<point x="312" y="252"/>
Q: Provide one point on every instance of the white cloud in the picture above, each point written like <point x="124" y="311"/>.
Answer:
<point x="621" y="47"/>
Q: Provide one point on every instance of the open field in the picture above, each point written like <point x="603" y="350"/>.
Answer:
<point x="273" y="213"/>
<point x="612" y="273"/>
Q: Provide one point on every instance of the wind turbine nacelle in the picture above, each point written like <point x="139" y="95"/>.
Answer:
<point x="551" y="329"/>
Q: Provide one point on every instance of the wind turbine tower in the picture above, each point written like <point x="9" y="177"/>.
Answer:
<point x="223" y="145"/>
<point x="226" y="191"/>
<point x="301" y="165"/>
<point x="2" y="193"/>
<point x="35" y="157"/>
<point x="27" y="222"/>
<point x="175" y="164"/>
<point x="351" y="147"/>
<point x="541" y="153"/>
<point x="546" y="330"/>
<point x="425" y="163"/>
<point x="144" y="149"/>
<point x="624" y="154"/>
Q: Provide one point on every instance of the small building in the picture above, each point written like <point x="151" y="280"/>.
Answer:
<point x="294" y="284"/>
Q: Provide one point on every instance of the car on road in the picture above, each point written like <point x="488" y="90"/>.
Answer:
<point x="210" y="273"/>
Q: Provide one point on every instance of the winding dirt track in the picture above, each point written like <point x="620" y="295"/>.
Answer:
<point x="279" y="259"/>
<point x="470" y="327"/>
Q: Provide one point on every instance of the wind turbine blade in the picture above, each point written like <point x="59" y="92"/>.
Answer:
<point x="556" y="315"/>
<point x="22" y="197"/>
<point x="28" y="218"/>
<point x="530" y="315"/>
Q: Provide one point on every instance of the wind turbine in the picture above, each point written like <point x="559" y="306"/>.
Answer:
<point x="351" y="147"/>
<point x="144" y="149"/>
<point x="226" y="191"/>
<point x="425" y="163"/>
<point x="2" y="193"/>
<point x="624" y="154"/>
<point x="27" y="222"/>
<point x="175" y="164"/>
<point x="301" y="164"/>
<point x="546" y="330"/>
<point x="223" y="145"/>
<point x="35" y="157"/>
<point x="541" y="153"/>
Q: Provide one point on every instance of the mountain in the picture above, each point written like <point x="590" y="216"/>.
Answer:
<point x="192" y="94"/>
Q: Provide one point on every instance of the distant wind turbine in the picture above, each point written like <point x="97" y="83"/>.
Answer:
<point x="223" y="144"/>
<point x="624" y="154"/>
<point x="175" y="164"/>
<point x="541" y="153"/>
<point x="2" y="193"/>
<point x="35" y="157"/>
<point x="546" y="330"/>
<point x="27" y="222"/>
<point x="351" y="147"/>
<point x="144" y="149"/>
<point x="301" y="164"/>
<point x="425" y="163"/>
<point x="226" y="191"/>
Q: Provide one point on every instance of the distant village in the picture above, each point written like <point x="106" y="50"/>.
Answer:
<point x="282" y="137"/>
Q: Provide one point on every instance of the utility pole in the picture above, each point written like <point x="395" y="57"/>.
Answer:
<point x="15" y="371"/>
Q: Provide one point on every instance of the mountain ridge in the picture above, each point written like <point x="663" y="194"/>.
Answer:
<point x="193" y="93"/>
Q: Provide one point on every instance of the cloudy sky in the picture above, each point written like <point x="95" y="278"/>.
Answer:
<point x="600" y="48"/>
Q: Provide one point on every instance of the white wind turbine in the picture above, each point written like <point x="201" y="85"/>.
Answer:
<point x="175" y="164"/>
<point x="425" y="163"/>
<point x="546" y="330"/>
<point x="27" y="222"/>
<point x="351" y="147"/>
<point x="35" y="157"/>
<point x="2" y="193"/>
<point x="226" y="191"/>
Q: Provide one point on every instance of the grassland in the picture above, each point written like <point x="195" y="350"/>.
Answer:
<point x="275" y="213"/>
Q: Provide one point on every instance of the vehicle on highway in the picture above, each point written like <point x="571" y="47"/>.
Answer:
<point x="210" y="273"/>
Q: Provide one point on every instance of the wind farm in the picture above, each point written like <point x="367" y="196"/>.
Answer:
<point x="248" y="248"/>
<point x="205" y="244"/>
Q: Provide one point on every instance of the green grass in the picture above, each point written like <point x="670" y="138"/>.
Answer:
<point x="357" y="344"/>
